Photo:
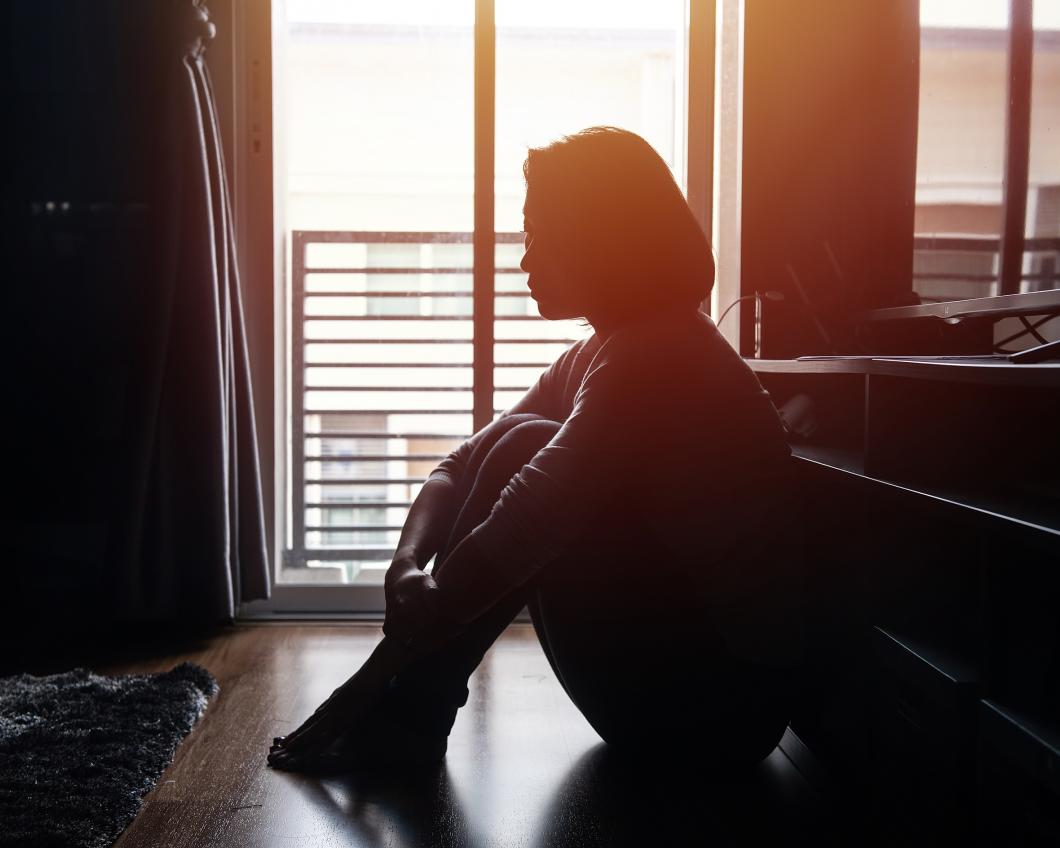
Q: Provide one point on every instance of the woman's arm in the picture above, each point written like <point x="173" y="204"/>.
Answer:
<point x="406" y="586"/>
<point x="412" y="594"/>
<point x="434" y="510"/>
<point x="429" y="522"/>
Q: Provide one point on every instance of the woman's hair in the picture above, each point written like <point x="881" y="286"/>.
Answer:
<point x="625" y="224"/>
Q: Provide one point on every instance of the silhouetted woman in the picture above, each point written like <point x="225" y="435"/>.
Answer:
<point x="635" y="498"/>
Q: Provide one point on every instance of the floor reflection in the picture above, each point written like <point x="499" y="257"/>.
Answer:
<point x="602" y="800"/>
<point x="523" y="767"/>
<point x="608" y="800"/>
<point x="398" y="811"/>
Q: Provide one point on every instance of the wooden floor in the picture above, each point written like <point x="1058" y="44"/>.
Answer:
<point x="523" y="768"/>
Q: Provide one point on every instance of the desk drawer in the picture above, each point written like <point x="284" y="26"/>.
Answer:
<point x="923" y="737"/>
<point x="1019" y="778"/>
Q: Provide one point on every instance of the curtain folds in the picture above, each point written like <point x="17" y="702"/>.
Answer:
<point x="197" y="546"/>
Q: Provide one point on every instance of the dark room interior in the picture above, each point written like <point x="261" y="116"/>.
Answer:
<point x="268" y="269"/>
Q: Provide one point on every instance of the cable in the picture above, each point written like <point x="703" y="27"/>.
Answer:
<point x="1032" y="330"/>
<point x="728" y="308"/>
<point x="770" y="294"/>
<point x="1022" y="333"/>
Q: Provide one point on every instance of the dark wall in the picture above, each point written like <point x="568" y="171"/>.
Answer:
<point x="86" y="131"/>
<point x="829" y="163"/>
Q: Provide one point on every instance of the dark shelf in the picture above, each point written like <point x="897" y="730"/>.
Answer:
<point x="970" y="434"/>
<point x="983" y="370"/>
<point x="1023" y="514"/>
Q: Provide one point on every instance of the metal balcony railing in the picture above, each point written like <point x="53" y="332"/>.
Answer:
<point x="965" y="267"/>
<point x="382" y="355"/>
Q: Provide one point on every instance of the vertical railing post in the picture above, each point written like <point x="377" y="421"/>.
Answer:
<point x="1017" y="144"/>
<point x="298" y="542"/>
<point x="729" y="188"/>
<point x="702" y="27"/>
<point x="483" y="237"/>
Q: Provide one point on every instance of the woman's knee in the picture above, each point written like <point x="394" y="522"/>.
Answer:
<point x="513" y="440"/>
<point x="514" y="448"/>
<point x="487" y="438"/>
<point x="496" y="430"/>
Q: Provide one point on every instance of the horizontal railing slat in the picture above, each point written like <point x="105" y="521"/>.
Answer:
<point x="979" y="244"/>
<point x="390" y="389"/>
<point x="351" y="528"/>
<point x="367" y="457"/>
<point x="340" y="434"/>
<point x="444" y="269"/>
<point x="460" y="365"/>
<point x="347" y="341"/>
<point x="348" y="553"/>
<point x="397" y="237"/>
<point x="363" y="481"/>
<point x="464" y="318"/>
<point x="408" y="389"/>
<point x="415" y="293"/>
<point x="359" y="505"/>
<point x="958" y="278"/>
<point x="334" y="411"/>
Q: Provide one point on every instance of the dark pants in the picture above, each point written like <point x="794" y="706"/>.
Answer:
<point x="621" y="625"/>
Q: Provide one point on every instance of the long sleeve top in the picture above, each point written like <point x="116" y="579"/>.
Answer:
<point x="663" y="409"/>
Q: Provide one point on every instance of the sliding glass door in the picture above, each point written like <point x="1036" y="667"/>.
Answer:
<point x="407" y="324"/>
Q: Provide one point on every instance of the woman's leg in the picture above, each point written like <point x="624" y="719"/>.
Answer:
<point x="429" y="693"/>
<point x="625" y="631"/>
<point x="630" y="639"/>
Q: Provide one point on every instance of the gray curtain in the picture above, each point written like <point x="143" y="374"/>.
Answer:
<point x="196" y="532"/>
<point x="131" y="474"/>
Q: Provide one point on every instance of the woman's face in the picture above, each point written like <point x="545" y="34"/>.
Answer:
<point x="553" y="284"/>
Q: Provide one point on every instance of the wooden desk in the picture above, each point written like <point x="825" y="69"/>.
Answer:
<point x="932" y="509"/>
<point x="982" y="437"/>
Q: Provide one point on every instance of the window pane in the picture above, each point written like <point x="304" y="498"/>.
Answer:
<point x="960" y="148"/>
<point x="378" y="114"/>
<point x="375" y="132"/>
<point x="564" y="66"/>
<point x="561" y="67"/>
<point x="1041" y="265"/>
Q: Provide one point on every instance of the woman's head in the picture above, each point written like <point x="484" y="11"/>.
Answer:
<point x="608" y="231"/>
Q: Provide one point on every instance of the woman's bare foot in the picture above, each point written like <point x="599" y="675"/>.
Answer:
<point x="377" y="740"/>
<point x="324" y="728"/>
<point x="348" y="724"/>
<point x="345" y="708"/>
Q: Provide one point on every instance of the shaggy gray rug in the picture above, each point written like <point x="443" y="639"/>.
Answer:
<point x="78" y="751"/>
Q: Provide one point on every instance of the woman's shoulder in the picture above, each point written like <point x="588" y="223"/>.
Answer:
<point x="685" y="356"/>
<point x="664" y="339"/>
<point x="577" y="355"/>
<point x="563" y="378"/>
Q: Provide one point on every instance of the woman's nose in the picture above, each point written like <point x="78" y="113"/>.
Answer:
<point x="523" y="263"/>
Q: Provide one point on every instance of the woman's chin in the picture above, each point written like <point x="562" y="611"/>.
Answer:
<point x="550" y="312"/>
